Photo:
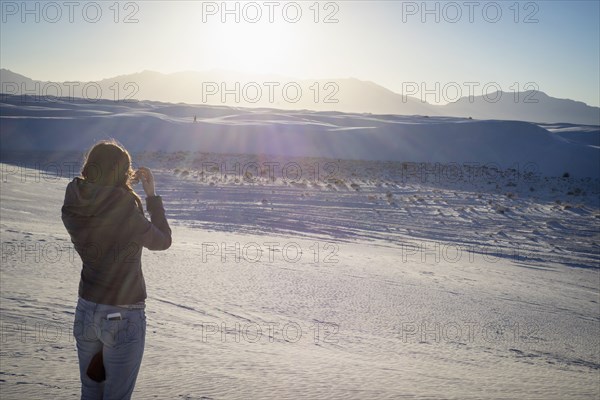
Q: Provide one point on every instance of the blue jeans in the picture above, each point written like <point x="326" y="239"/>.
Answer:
<point x="121" y="342"/>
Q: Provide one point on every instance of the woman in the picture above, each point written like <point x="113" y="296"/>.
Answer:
<point x="106" y="222"/>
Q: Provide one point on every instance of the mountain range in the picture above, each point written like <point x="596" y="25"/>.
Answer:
<point x="235" y="89"/>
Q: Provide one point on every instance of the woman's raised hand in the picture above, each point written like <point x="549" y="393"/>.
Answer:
<point x="145" y="176"/>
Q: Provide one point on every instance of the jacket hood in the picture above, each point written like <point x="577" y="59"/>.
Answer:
<point x="87" y="199"/>
<point x="90" y="206"/>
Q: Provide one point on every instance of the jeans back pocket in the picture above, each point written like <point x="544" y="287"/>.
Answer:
<point x="114" y="333"/>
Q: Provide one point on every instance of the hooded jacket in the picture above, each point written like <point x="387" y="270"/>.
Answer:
<point x="108" y="231"/>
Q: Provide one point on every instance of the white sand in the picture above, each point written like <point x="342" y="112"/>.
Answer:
<point x="376" y="319"/>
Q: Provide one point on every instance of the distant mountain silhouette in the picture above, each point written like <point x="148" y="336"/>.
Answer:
<point x="532" y="106"/>
<point x="235" y="89"/>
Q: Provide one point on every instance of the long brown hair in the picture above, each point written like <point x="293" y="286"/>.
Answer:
<point x="108" y="163"/>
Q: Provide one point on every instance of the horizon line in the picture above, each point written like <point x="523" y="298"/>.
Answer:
<point x="285" y="76"/>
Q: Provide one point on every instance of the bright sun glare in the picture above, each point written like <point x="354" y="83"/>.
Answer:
<point x="259" y="48"/>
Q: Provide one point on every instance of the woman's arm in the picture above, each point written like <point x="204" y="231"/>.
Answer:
<point x="156" y="233"/>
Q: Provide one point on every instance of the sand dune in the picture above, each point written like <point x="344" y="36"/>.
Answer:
<point x="318" y="254"/>
<point x="75" y="125"/>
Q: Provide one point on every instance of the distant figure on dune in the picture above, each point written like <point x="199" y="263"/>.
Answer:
<point x="195" y="119"/>
<point x="105" y="219"/>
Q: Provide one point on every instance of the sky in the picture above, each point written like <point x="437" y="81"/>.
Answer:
<point x="437" y="49"/>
